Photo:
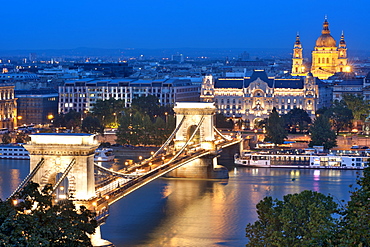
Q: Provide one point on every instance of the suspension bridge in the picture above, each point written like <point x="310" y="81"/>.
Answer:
<point x="66" y="161"/>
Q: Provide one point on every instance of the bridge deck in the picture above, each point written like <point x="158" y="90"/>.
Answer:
<point x="119" y="185"/>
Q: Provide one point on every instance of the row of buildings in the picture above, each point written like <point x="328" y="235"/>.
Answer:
<point x="249" y="91"/>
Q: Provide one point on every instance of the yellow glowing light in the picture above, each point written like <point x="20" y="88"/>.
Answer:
<point x="347" y="69"/>
<point x="19" y="117"/>
<point x="106" y="197"/>
<point x="50" y="116"/>
<point x="94" y="204"/>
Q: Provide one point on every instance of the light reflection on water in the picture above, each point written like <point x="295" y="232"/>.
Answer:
<point x="174" y="212"/>
<point x="184" y="212"/>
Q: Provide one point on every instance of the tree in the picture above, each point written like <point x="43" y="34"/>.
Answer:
<point x="340" y="115"/>
<point x="108" y="111"/>
<point x="34" y="220"/>
<point x="322" y="134"/>
<point x="275" y="131"/>
<point x="22" y="138"/>
<point x="92" y="125"/>
<point x="6" y="139"/>
<point x="356" y="103"/>
<point x="304" y="219"/>
<point x="297" y="119"/>
<point x="223" y="122"/>
<point x="356" y="216"/>
<point x="70" y="120"/>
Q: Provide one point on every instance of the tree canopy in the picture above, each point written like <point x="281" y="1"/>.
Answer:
<point x="108" y="111"/>
<point x="303" y="219"/>
<point x="137" y="128"/>
<point x="92" y="125"/>
<point x="275" y="131"/>
<point x="322" y="134"/>
<point x="340" y="115"/>
<point x="311" y="219"/>
<point x="297" y="119"/>
<point x="32" y="219"/>
<point x="359" y="107"/>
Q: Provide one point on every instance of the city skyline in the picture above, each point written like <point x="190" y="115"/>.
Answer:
<point x="191" y="24"/>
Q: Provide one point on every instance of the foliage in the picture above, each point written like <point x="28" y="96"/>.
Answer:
<point x="150" y="105"/>
<point x="6" y="139"/>
<point x="275" y="131"/>
<point x="136" y="128"/>
<point x="70" y="120"/>
<point x="108" y="111"/>
<point x="92" y="125"/>
<point x="322" y="134"/>
<point x="223" y="122"/>
<point x="260" y="124"/>
<point x="304" y="219"/>
<point x="22" y="138"/>
<point x="297" y="119"/>
<point x="36" y="221"/>
<point x="356" y="216"/>
<point x="356" y="103"/>
<point x="340" y="115"/>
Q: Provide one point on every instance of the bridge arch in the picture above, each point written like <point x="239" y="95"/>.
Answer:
<point x="195" y="113"/>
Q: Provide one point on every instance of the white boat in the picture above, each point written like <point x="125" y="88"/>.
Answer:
<point x="103" y="155"/>
<point x="329" y="161"/>
<point x="13" y="151"/>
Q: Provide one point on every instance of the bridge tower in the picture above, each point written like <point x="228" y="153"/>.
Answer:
<point x="202" y="114"/>
<point x="70" y="155"/>
<point x="66" y="160"/>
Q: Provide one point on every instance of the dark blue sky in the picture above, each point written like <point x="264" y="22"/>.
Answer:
<point x="67" y="24"/>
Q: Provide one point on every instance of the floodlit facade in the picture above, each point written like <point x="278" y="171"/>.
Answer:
<point x="81" y="95"/>
<point x="253" y="98"/>
<point x="8" y="106"/>
<point x="327" y="57"/>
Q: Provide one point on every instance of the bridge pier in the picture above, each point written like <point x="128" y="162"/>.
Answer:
<point x="97" y="241"/>
<point x="201" y="168"/>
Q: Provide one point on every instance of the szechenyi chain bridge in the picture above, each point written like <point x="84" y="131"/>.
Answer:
<point x="67" y="162"/>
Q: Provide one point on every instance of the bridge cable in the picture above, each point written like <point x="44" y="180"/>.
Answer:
<point x="220" y="134"/>
<point x="188" y="141"/>
<point x="106" y="170"/>
<point x="169" y="138"/>
<point x="29" y="177"/>
<point x="65" y="173"/>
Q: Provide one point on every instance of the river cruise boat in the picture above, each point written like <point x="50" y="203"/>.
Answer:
<point x="316" y="161"/>
<point x="103" y="155"/>
<point x="13" y="151"/>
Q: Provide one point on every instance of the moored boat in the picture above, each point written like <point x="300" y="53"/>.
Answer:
<point x="325" y="161"/>
<point x="103" y="155"/>
<point x="13" y="151"/>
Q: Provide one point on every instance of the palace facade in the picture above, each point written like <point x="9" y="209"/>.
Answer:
<point x="253" y="98"/>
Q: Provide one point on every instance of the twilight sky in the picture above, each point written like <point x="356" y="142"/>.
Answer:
<point x="67" y="24"/>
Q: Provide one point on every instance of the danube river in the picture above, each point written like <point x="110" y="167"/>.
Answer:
<point x="185" y="212"/>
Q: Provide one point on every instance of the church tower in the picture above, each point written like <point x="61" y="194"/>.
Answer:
<point x="342" y="58"/>
<point x="297" y="66"/>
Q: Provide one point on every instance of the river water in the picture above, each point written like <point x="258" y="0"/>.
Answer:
<point x="185" y="212"/>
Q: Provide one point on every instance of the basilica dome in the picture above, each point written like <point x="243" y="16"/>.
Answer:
<point x="325" y="39"/>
